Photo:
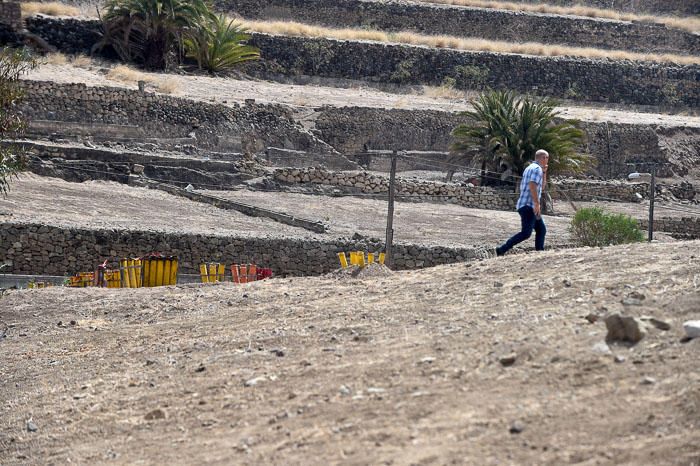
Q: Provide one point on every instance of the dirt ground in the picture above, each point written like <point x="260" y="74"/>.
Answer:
<point x="230" y="90"/>
<point x="56" y="202"/>
<point x="485" y="363"/>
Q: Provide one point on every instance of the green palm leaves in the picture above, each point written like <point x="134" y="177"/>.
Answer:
<point x="512" y="128"/>
<point x="219" y="45"/>
<point x="155" y="33"/>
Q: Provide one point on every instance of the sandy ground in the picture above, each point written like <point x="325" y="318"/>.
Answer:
<point x="230" y="90"/>
<point x="397" y="369"/>
<point x="57" y="202"/>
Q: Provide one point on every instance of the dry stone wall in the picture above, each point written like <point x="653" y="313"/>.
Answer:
<point x="677" y="7"/>
<point x="563" y="77"/>
<point x="580" y="79"/>
<point x="11" y="15"/>
<point x="680" y="228"/>
<point x="614" y="145"/>
<point x="484" y="23"/>
<point x="464" y="194"/>
<point x="45" y="249"/>
<point x="252" y="126"/>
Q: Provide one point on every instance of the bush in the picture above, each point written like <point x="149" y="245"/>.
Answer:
<point x="594" y="227"/>
<point x="13" y="64"/>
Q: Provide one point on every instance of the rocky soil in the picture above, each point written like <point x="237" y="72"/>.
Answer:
<point x="502" y="361"/>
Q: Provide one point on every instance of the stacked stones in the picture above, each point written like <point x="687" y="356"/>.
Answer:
<point x="440" y="19"/>
<point x="213" y="125"/>
<point x="599" y="80"/>
<point x="467" y="195"/>
<point x="367" y="183"/>
<point x="54" y="250"/>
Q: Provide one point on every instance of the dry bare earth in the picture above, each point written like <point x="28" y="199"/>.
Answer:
<point x="100" y="204"/>
<point x="399" y="369"/>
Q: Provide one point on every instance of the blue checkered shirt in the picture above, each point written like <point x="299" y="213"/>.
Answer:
<point x="532" y="173"/>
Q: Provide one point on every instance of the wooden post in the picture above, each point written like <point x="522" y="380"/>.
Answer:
<point x="389" y="258"/>
<point x="652" y="193"/>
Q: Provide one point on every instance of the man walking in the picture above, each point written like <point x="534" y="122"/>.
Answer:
<point x="534" y="179"/>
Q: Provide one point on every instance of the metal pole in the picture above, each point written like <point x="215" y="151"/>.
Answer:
<point x="389" y="259"/>
<point x="652" y="192"/>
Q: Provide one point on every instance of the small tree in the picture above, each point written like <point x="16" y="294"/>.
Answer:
<point x="219" y="45"/>
<point x="509" y="128"/>
<point x="594" y="227"/>
<point x="13" y="63"/>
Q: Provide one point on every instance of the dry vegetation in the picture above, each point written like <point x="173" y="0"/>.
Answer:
<point x="127" y="74"/>
<point x="290" y="28"/>
<point x="49" y="8"/>
<point x="686" y="23"/>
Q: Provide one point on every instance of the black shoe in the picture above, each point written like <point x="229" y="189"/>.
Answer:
<point x="499" y="253"/>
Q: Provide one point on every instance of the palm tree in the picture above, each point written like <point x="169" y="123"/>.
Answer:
<point x="146" y="31"/>
<point x="509" y="128"/>
<point x="218" y="45"/>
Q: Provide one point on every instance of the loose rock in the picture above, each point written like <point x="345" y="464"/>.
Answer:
<point x="31" y="426"/>
<point x="692" y="328"/>
<point x="508" y="360"/>
<point x="155" y="415"/>
<point x="516" y="427"/>
<point x="624" y="328"/>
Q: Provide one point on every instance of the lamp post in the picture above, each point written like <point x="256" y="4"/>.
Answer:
<point x="652" y="191"/>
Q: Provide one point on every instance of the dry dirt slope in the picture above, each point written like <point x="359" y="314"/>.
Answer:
<point x="400" y="369"/>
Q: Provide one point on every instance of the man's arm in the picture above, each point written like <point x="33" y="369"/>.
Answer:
<point x="535" y="198"/>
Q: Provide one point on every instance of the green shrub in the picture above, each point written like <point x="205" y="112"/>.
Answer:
<point x="594" y="227"/>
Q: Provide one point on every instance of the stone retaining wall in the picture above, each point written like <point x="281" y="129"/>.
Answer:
<point x="614" y="145"/>
<point x="680" y="228"/>
<point x="215" y="126"/>
<point x="484" y="23"/>
<point x="11" y="15"/>
<point x="580" y="79"/>
<point x="52" y="250"/>
<point x="464" y="194"/>
<point x="563" y="77"/>
<point x="677" y="7"/>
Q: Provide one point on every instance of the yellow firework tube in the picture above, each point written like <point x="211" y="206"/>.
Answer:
<point x="361" y="258"/>
<point x="203" y="273"/>
<point x="166" y="271"/>
<point x="212" y="273"/>
<point x="343" y="260"/>
<point x="382" y="256"/>
<point x="221" y="269"/>
<point x="173" y="271"/>
<point x="138" y="270"/>
<point x="160" y="270"/>
<point x="151" y="266"/>
<point x="370" y="258"/>
<point x="124" y="269"/>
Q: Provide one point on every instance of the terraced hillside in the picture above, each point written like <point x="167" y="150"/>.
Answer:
<point x="453" y="357"/>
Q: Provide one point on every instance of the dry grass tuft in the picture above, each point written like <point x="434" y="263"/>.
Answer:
<point x="691" y="24"/>
<point x="444" y="92"/>
<point x="81" y="61"/>
<point x="56" y="59"/>
<point x="166" y="85"/>
<point x="287" y="28"/>
<point x="125" y="74"/>
<point x="49" y="8"/>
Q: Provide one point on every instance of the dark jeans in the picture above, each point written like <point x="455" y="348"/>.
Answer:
<point x="528" y="222"/>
